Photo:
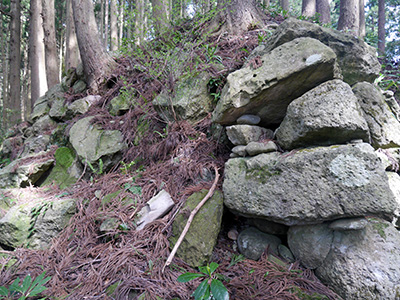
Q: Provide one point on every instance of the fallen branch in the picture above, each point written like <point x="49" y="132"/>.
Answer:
<point x="191" y="217"/>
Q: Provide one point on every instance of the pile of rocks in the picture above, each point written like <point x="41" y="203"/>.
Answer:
<point x="329" y="186"/>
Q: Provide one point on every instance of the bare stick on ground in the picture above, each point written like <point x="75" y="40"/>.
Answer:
<point x="191" y="217"/>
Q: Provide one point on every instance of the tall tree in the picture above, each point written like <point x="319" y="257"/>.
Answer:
<point x="161" y="15"/>
<point x="349" y="18"/>
<point x="50" y="43"/>
<point x="285" y="4"/>
<point x="308" y="8"/>
<point x="237" y="16"/>
<point x="139" y="21"/>
<point x="106" y="24"/>
<point x="72" y="57"/>
<point x="113" y="25"/>
<point x="13" y="104"/>
<point x="97" y="64"/>
<point x="324" y="10"/>
<point x="361" y="30"/>
<point x="381" y="27"/>
<point x="36" y="52"/>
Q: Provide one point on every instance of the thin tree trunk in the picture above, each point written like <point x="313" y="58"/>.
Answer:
<point x="26" y="103"/>
<point x="50" y="43"/>
<point x="284" y="4"/>
<point x="36" y="52"/>
<point x="102" y="19"/>
<point x="113" y="25"/>
<point x="381" y="27"/>
<point x="139" y="22"/>
<point x="72" y="56"/>
<point x="308" y="8"/>
<point x="361" y="30"/>
<point x="160" y="15"/>
<point x="121" y="23"/>
<point x="106" y="10"/>
<point x="324" y="10"/>
<point x="349" y="19"/>
<point x="97" y="64"/>
<point x="13" y="104"/>
<point x="6" y="74"/>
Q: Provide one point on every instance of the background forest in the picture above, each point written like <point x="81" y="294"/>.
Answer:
<point x="38" y="43"/>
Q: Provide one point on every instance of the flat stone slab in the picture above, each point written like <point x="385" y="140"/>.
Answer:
<point x="285" y="73"/>
<point x="309" y="186"/>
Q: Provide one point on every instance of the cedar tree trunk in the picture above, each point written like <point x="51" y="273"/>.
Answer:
<point x="97" y="64"/>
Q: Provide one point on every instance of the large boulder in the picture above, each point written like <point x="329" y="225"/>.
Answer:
<point x="383" y="125"/>
<point x="25" y="171"/>
<point x="61" y="110"/>
<point x="99" y="148"/>
<point x="285" y="73"/>
<point x="310" y="185"/>
<point x="357" y="60"/>
<point x="34" y="220"/>
<point x="328" y="114"/>
<point x="199" y="241"/>
<point x="190" y="100"/>
<point x="357" y="264"/>
<point x="66" y="170"/>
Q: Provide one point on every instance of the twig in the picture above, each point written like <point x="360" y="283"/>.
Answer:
<point x="191" y="217"/>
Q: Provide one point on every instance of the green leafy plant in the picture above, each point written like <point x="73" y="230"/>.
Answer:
<point x="94" y="170"/>
<point x="25" y="289"/>
<point x="211" y="287"/>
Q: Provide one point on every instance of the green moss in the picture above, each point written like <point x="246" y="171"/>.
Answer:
<point x="303" y="295"/>
<point x="380" y="227"/>
<point x="64" y="157"/>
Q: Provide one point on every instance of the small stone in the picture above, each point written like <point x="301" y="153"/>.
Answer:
<point x="239" y="150"/>
<point x="233" y="234"/>
<point x="255" y="148"/>
<point x="285" y="253"/>
<point x="349" y="224"/>
<point x="252" y="243"/>
<point x="248" y="119"/>
<point x="244" y="134"/>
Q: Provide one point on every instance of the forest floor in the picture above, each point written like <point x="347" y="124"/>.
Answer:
<point x="127" y="264"/>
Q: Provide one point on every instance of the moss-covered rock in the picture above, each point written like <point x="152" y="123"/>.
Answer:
<point x="199" y="242"/>
<point x="60" y="174"/>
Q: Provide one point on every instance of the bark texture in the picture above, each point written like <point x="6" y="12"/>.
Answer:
<point x="285" y="4"/>
<point x="381" y="27"/>
<point x="113" y="26"/>
<point x="324" y="10"/>
<point x="237" y="17"/>
<point x="72" y="56"/>
<point x="97" y="64"/>
<point x="139" y="22"/>
<point x="36" y="53"/>
<point x="308" y="8"/>
<point x="349" y="18"/>
<point x="161" y="15"/>
<point x="50" y="43"/>
<point x="13" y="104"/>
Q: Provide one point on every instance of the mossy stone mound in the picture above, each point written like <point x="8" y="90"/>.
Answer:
<point x="199" y="241"/>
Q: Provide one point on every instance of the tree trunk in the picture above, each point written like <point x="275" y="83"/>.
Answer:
<point x="160" y="15"/>
<point x="97" y="64"/>
<point x="361" y="31"/>
<point x="72" y="56"/>
<point x="237" y="17"/>
<point x="106" y="9"/>
<point x="324" y="10"/>
<point x="139" y="22"/>
<point x="36" y="52"/>
<point x="349" y="18"/>
<point x="13" y="105"/>
<point x="284" y="4"/>
<point x="308" y="8"/>
<point x="102" y="20"/>
<point x="381" y="27"/>
<point x="113" y="25"/>
<point x="6" y="71"/>
<point x="121" y="23"/>
<point x="50" y="43"/>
